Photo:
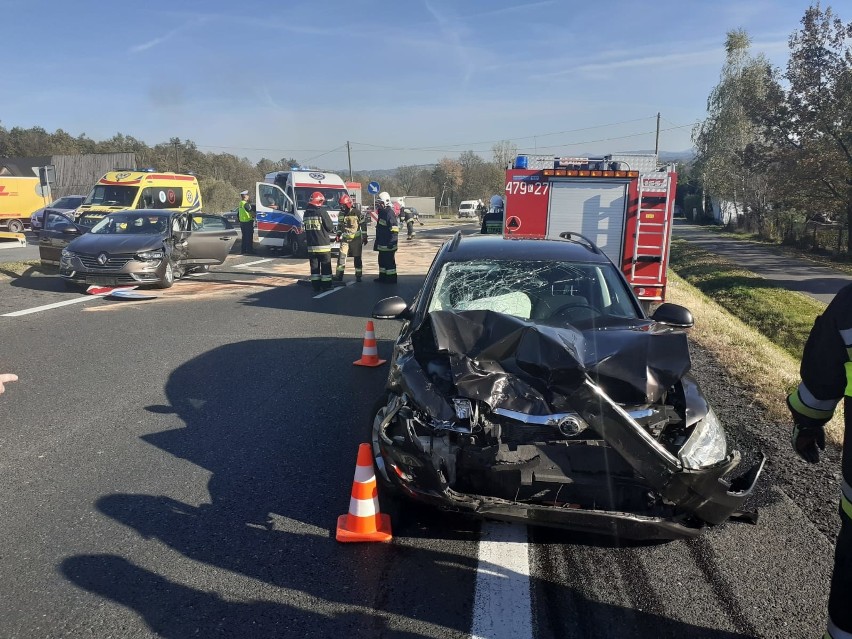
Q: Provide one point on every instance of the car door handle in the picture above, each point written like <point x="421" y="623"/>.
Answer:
<point x="225" y="239"/>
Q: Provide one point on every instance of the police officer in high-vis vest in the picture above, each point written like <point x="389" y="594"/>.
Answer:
<point x="318" y="231"/>
<point x="492" y="222"/>
<point x="245" y="212"/>
<point x="387" y="239"/>
<point x="353" y="236"/>
<point x="826" y="379"/>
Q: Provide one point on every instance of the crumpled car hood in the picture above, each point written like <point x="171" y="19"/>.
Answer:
<point x="517" y="365"/>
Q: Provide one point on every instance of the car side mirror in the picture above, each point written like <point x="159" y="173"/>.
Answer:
<point x="67" y="229"/>
<point x="673" y="315"/>
<point x="391" y="308"/>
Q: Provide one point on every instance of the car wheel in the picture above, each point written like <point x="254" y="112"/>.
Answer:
<point x="16" y="226"/>
<point x="295" y="245"/>
<point x="168" y="277"/>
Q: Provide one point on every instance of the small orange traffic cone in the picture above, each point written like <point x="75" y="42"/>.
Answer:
<point x="364" y="522"/>
<point x="370" y="354"/>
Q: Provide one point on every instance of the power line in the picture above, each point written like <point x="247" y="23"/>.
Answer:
<point x="445" y="147"/>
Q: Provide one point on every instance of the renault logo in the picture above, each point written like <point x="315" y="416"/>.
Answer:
<point x="102" y="259"/>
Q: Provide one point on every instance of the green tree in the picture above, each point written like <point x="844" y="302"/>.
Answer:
<point x="726" y="139"/>
<point x="807" y="115"/>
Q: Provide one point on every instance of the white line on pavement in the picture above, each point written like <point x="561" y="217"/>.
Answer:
<point x="332" y="291"/>
<point x="47" y="307"/>
<point x="501" y="601"/>
<point x="268" y="259"/>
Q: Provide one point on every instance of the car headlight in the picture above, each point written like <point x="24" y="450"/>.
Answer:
<point x="67" y="254"/>
<point x="706" y="445"/>
<point x="146" y="256"/>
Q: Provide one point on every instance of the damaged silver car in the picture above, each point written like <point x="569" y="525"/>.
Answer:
<point x="527" y="384"/>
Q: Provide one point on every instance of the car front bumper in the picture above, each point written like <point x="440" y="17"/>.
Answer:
<point x="122" y="271"/>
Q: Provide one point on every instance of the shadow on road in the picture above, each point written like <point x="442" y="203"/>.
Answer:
<point x="277" y="424"/>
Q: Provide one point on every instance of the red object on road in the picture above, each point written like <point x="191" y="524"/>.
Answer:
<point x="624" y="204"/>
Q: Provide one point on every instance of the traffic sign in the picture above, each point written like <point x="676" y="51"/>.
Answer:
<point x="373" y="187"/>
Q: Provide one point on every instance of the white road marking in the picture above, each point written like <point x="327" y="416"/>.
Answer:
<point x="332" y="291"/>
<point x="501" y="601"/>
<point x="47" y="307"/>
<point x="268" y="259"/>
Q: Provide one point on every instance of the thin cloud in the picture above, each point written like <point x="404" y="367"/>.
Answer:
<point x="157" y="41"/>
<point x="451" y="32"/>
<point x="511" y="9"/>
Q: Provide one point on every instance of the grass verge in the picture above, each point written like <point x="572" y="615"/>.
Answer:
<point x="784" y="317"/>
<point x="10" y="270"/>
<point x="753" y="360"/>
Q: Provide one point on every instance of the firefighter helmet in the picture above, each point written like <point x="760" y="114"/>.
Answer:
<point x="384" y="198"/>
<point x="496" y="202"/>
<point x="316" y="199"/>
<point x="346" y="201"/>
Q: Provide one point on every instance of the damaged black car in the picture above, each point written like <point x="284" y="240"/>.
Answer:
<point x="527" y="384"/>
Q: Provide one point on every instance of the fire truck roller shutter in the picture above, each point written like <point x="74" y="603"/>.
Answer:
<point x="595" y="209"/>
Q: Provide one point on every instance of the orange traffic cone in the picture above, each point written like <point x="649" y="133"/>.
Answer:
<point x="370" y="354"/>
<point x="364" y="522"/>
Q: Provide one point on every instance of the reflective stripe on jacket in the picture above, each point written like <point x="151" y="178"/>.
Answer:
<point x="350" y="225"/>
<point x="318" y="228"/>
<point x="387" y="230"/>
<point x="826" y="364"/>
<point x="244" y="211"/>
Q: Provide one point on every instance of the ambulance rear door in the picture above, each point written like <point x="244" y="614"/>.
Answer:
<point x="275" y="215"/>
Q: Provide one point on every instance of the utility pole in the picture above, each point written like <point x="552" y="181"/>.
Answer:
<point x="657" y="141"/>
<point x="349" y="155"/>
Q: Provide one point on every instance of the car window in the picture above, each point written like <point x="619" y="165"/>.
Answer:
<point x="209" y="223"/>
<point x="553" y="292"/>
<point x="54" y="219"/>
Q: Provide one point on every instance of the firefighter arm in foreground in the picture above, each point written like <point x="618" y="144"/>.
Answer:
<point x="824" y="377"/>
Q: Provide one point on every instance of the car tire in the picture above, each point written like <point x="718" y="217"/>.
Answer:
<point x="16" y="226"/>
<point x="295" y="246"/>
<point x="168" y="277"/>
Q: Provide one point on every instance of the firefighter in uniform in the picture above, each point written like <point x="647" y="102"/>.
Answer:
<point x="387" y="236"/>
<point x="826" y="378"/>
<point x="353" y="236"/>
<point x="492" y="222"/>
<point x="318" y="230"/>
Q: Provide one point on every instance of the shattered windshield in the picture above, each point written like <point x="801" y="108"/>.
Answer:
<point x="550" y="292"/>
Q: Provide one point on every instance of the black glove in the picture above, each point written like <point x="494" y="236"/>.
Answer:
<point x="365" y="240"/>
<point x="808" y="441"/>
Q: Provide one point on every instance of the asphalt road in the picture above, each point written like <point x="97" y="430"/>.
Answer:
<point x="817" y="281"/>
<point x="175" y="468"/>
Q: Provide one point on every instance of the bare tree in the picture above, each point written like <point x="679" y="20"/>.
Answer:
<point x="504" y="153"/>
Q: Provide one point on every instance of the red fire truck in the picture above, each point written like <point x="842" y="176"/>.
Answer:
<point x="622" y="203"/>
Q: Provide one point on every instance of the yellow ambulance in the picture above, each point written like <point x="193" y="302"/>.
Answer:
<point x="140" y="189"/>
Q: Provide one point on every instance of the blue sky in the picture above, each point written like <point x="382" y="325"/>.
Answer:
<point x="406" y="82"/>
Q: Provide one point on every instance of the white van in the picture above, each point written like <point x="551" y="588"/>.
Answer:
<point x="281" y="200"/>
<point x="467" y="208"/>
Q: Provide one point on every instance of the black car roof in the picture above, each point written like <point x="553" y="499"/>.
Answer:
<point x="497" y="247"/>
